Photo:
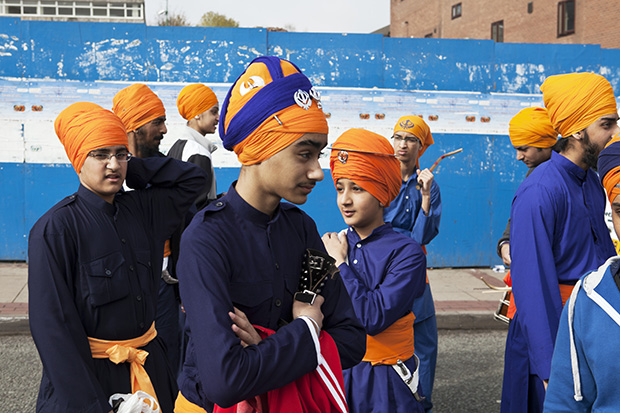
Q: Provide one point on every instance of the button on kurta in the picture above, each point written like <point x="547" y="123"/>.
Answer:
<point x="278" y="302"/>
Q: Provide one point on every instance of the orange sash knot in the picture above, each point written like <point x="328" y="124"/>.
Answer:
<point x="392" y="344"/>
<point x="122" y="351"/>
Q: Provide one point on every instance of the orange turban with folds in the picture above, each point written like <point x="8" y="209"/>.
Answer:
<point x="270" y="106"/>
<point x="137" y="105"/>
<point x="609" y="168"/>
<point x="416" y="125"/>
<point x="576" y="100"/>
<point x="532" y="127"/>
<point x="194" y="100"/>
<point x="367" y="159"/>
<point x="84" y="127"/>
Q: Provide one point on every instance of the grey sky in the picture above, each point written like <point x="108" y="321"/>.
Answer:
<point x="338" y="16"/>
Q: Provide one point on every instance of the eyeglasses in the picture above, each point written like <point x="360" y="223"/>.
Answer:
<point x="408" y="139"/>
<point x="107" y="157"/>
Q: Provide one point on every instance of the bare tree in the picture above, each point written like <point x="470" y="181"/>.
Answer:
<point x="213" y="19"/>
<point x="174" y="19"/>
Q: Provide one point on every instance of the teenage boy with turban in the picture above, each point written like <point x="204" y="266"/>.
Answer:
<point x="144" y="117"/>
<point x="93" y="270"/>
<point x="532" y="135"/>
<point x="242" y="254"/>
<point x="416" y="213"/>
<point x="198" y="105"/>
<point x="557" y="231"/>
<point x="586" y="359"/>
<point x="383" y="271"/>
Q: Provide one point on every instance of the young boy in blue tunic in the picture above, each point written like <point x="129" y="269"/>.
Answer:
<point x="586" y="358"/>
<point x="383" y="271"/>
<point x="241" y="256"/>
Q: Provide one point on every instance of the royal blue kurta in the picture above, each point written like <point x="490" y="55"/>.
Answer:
<point x="94" y="271"/>
<point x="557" y="233"/>
<point x="234" y="255"/>
<point x="385" y="273"/>
<point x="407" y="217"/>
<point x="596" y="335"/>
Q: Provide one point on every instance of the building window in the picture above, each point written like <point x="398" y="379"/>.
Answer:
<point x="566" y="17"/>
<point x="497" y="31"/>
<point x="456" y="11"/>
<point x="64" y="8"/>
<point x="530" y="7"/>
<point x="428" y="35"/>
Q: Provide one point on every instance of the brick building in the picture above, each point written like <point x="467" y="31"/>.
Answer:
<point x="514" y="21"/>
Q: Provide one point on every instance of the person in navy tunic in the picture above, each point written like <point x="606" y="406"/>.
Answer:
<point x="94" y="268"/>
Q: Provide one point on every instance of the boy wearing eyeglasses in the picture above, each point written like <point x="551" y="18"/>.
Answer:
<point x="416" y="213"/>
<point x="94" y="268"/>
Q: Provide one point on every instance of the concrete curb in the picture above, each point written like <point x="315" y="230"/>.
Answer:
<point x="19" y="325"/>
<point x="11" y="326"/>
<point x="469" y="321"/>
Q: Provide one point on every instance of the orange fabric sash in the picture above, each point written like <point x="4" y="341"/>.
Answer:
<point x="392" y="344"/>
<point x="565" y="292"/>
<point x="167" y="250"/>
<point x="127" y="351"/>
<point x="182" y="405"/>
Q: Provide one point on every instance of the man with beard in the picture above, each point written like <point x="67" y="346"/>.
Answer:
<point x="144" y="116"/>
<point x="557" y="231"/>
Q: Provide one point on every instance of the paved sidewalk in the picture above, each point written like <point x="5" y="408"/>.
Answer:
<point x="462" y="300"/>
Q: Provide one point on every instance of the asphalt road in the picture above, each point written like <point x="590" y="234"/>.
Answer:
<point x="468" y="377"/>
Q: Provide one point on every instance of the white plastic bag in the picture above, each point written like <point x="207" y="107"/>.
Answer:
<point x="139" y="402"/>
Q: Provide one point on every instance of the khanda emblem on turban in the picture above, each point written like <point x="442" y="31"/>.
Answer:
<point x="302" y="98"/>
<point x="253" y="82"/>
<point x="406" y="124"/>
<point x="316" y="95"/>
<point x="343" y="156"/>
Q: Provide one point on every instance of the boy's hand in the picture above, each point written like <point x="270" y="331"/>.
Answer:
<point x="313" y="311"/>
<point x="243" y="328"/>
<point x="336" y="246"/>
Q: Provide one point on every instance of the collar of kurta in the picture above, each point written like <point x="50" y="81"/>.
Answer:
<point x="568" y="165"/>
<point x="353" y="237"/>
<point x="247" y="211"/>
<point x="96" y="201"/>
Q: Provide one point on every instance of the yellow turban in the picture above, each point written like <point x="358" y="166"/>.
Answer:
<point x="367" y="159"/>
<point x="137" y="105"/>
<point x="270" y="106"/>
<point x="194" y="100"/>
<point x="84" y="127"/>
<point x="416" y="125"/>
<point x="576" y="100"/>
<point x="532" y="127"/>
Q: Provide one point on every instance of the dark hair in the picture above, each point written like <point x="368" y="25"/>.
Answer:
<point x="561" y="145"/>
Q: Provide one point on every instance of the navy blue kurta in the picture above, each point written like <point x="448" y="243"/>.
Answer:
<point x="234" y="255"/>
<point x="385" y="273"/>
<point x="94" y="271"/>
<point x="557" y="234"/>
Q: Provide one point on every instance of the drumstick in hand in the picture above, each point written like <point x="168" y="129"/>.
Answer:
<point x="432" y="168"/>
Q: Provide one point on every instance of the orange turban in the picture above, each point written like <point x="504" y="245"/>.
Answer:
<point x="270" y="106"/>
<point x="367" y="159"/>
<point x="576" y="100"/>
<point x="194" y="100"/>
<point x="137" y="105"/>
<point x="84" y="127"/>
<point x="416" y="125"/>
<point x="532" y="127"/>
